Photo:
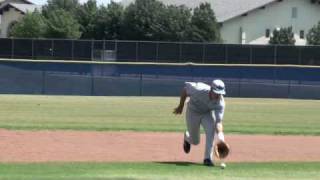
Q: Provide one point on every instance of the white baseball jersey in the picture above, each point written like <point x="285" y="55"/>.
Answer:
<point x="200" y="101"/>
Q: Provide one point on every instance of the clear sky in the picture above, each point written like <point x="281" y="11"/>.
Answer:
<point x="104" y="2"/>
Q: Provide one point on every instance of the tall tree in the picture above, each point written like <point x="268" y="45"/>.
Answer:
<point x="101" y="23"/>
<point x="32" y="25"/>
<point x="142" y="20"/>
<point x="283" y="36"/>
<point x="109" y="21"/>
<point x="313" y="36"/>
<point x="70" y="6"/>
<point x="176" y="21"/>
<point x="204" y="26"/>
<point x="61" y="24"/>
<point x="86" y="16"/>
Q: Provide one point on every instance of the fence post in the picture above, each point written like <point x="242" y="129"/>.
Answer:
<point x="180" y="51"/>
<point x="300" y="58"/>
<point x="251" y="56"/>
<point x="92" y="49"/>
<point x="141" y="84"/>
<point x="116" y="46"/>
<point x="12" y="48"/>
<point x="103" y="55"/>
<point x="275" y="54"/>
<point x="116" y="49"/>
<point x="226" y="58"/>
<point x="92" y="82"/>
<point x="43" y="90"/>
<point x="274" y="76"/>
<point x="52" y="48"/>
<point x="203" y="51"/>
<point x="32" y="44"/>
<point x="72" y="49"/>
<point x="157" y="51"/>
<point x="137" y="53"/>
<point x="239" y="88"/>
<point x="289" y="89"/>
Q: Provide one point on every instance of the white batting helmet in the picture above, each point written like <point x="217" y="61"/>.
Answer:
<point x="218" y="87"/>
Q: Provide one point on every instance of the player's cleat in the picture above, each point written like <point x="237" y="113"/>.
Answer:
<point x="208" y="162"/>
<point x="186" y="146"/>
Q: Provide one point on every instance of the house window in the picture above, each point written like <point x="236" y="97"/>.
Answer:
<point x="267" y="33"/>
<point x="302" y="34"/>
<point x="294" y="13"/>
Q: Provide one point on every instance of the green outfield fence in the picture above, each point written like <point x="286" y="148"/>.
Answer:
<point x="159" y="52"/>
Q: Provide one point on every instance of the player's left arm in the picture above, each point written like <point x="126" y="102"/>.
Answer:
<point x="219" y="131"/>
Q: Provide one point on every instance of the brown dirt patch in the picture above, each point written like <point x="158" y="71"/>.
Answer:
<point x="78" y="146"/>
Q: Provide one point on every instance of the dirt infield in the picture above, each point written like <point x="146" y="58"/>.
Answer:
<point x="77" y="146"/>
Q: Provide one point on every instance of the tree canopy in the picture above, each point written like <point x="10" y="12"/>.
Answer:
<point x="70" y="6"/>
<point x="61" y="24"/>
<point x="313" y="36"/>
<point x="109" y="21"/>
<point x="282" y="36"/>
<point x="204" y="24"/>
<point x="32" y="25"/>
<point x="141" y="20"/>
<point x="176" y="23"/>
<point x="86" y="15"/>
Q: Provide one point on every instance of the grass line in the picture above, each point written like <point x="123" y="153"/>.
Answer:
<point x="243" y="116"/>
<point x="160" y="170"/>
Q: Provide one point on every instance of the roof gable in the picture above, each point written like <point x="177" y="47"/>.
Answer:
<point x="16" y="1"/>
<point x="228" y="9"/>
<point x="224" y="9"/>
<point x="23" y="8"/>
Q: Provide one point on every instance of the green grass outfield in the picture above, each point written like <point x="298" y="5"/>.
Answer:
<point x="243" y="116"/>
<point x="158" y="171"/>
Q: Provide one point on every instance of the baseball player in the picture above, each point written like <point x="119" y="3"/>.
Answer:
<point x="206" y="107"/>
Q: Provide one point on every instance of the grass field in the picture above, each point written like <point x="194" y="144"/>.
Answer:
<point x="158" y="171"/>
<point x="244" y="116"/>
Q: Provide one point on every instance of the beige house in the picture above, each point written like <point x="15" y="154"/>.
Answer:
<point x="11" y="11"/>
<point x="253" y="21"/>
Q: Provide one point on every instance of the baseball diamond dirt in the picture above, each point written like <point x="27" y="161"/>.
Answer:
<point x="79" y="146"/>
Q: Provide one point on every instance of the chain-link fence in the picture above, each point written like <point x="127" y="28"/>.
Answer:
<point x="142" y="51"/>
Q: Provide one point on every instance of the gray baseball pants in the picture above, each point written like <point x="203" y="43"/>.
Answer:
<point x="192" y="135"/>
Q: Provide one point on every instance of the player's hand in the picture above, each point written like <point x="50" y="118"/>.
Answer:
<point x="178" y="110"/>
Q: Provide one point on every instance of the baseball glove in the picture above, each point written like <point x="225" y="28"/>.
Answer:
<point x="221" y="150"/>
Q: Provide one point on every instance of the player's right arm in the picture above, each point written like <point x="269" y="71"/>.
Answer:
<point x="189" y="89"/>
<point x="218" y="114"/>
<point x="183" y="97"/>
